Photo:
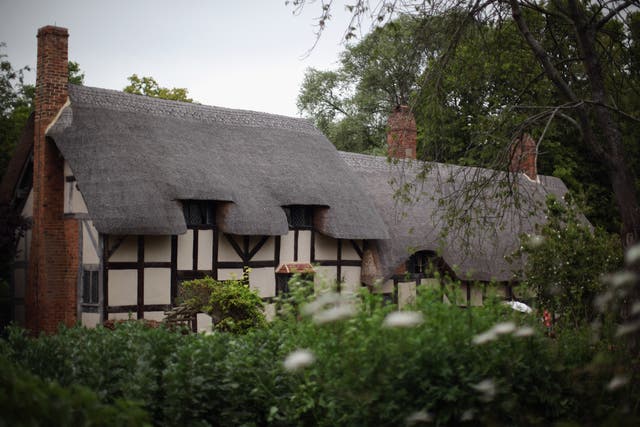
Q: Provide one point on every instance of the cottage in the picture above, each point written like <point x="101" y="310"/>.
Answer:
<point x="129" y="195"/>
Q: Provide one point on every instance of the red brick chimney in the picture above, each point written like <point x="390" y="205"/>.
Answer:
<point x="53" y="263"/>
<point x="402" y="134"/>
<point x="523" y="156"/>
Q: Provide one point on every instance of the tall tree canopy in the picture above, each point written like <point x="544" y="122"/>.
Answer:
<point x="149" y="87"/>
<point x="16" y="103"/>
<point x="565" y="71"/>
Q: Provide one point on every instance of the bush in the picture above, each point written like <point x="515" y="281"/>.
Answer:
<point x="483" y="365"/>
<point x="565" y="263"/>
<point x="26" y="400"/>
<point x="233" y="306"/>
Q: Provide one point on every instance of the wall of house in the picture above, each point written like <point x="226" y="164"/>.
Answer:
<point x="141" y="273"/>
<point x="403" y="289"/>
<point x="21" y="267"/>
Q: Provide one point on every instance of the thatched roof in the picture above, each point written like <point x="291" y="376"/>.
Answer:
<point x="487" y="224"/>
<point x="135" y="158"/>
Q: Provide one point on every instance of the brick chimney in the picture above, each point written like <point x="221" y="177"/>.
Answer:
<point x="523" y="156"/>
<point x="402" y="134"/>
<point x="53" y="263"/>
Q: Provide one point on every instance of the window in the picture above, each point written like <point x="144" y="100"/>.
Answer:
<point x="199" y="212"/>
<point x="90" y="286"/>
<point x="422" y="262"/>
<point x="282" y="280"/>
<point x="299" y="217"/>
<point x="282" y="283"/>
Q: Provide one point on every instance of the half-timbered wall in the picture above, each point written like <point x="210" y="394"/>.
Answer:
<point x="141" y="273"/>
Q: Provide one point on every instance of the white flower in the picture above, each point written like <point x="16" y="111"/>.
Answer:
<point x="628" y="328"/>
<point x="467" y="415"/>
<point x="298" y="359"/>
<point x="633" y="255"/>
<point x="484" y="337"/>
<point x="504" y="328"/>
<point x="319" y="303"/>
<point x="419" y="417"/>
<point x="487" y="388"/>
<point x="524" y="331"/>
<point x="621" y="278"/>
<point x="492" y="334"/>
<point x="617" y="382"/>
<point x="403" y="319"/>
<point x="334" y="314"/>
<point x="535" y="241"/>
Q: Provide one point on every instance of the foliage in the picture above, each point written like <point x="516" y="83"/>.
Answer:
<point x="149" y="87"/>
<point x="565" y="261"/>
<point x="233" y="306"/>
<point x="565" y="72"/>
<point x="76" y="76"/>
<point x="26" y="400"/>
<point x="351" y="104"/>
<point x="363" y="372"/>
<point x="16" y="103"/>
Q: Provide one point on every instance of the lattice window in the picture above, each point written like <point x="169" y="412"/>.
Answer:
<point x="422" y="262"/>
<point x="90" y="287"/>
<point x="299" y="217"/>
<point x="199" y="212"/>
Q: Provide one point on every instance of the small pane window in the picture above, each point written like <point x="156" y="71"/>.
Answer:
<point x="422" y="262"/>
<point x="282" y="283"/>
<point x="299" y="217"/>
<point x="199" y="212"/>
<point x="90" y="287"/>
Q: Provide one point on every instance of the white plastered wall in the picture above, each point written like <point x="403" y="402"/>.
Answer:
<point x="123" y="287"/>
<point x="157" y="248"/>
<point x="157" y="286"/>
<point x="73" y="200"/>
<point x="326" y="248"/>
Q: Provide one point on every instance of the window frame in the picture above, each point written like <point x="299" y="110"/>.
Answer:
<point x="207" y="213"/>
<point x="306" y="212"/>
<point x="90" y="286"/>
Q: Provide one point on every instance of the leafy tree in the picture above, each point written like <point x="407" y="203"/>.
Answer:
<point x="76" y="76"/>
<point x="586" y="51"/>
<point x="16" y="103"/>
<point x="149" y="87"/>
<point x="351" y="105"/>
<point x="565" y="262"/>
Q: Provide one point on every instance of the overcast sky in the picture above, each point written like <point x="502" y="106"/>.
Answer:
<point x="245" y="54"/>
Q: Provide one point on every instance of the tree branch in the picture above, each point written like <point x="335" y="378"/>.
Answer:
<point x="613" y="13"/>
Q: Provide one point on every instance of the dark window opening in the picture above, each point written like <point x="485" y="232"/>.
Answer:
<point x="199" y="212"/>
<point x="299" y="217"/>
<point x="282" y="283"/>
<point x="422" y="262"/>
<point x="90" y="287"/>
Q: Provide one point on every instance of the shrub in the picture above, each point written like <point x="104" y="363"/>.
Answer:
<point x="565" y="262"/>
<point x="26" y="400"/>
<point x="482" y="365"/>
<point x="233" y="306"/>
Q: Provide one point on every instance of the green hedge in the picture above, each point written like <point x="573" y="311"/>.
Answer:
<point x="26" y="400"/>
<point x="363" y="373"/>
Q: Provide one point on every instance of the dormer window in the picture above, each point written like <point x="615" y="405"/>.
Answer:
<point x="199" y="213"/>
<point x="299" y="217"/>
<point x="422" y="262"/>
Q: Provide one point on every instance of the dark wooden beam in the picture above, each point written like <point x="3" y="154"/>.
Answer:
<point x="257" y="247"/>
<point x="140" y="276"/>
<point x="174" y="268"/>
